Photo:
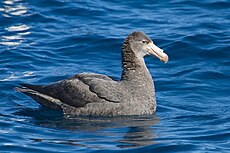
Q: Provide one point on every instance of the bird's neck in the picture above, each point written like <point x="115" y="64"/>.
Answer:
<point x="134" y="67"/>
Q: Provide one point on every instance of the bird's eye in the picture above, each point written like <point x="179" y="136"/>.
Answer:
<point x="144" y="41"/>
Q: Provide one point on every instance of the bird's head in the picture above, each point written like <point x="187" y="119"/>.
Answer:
<point x="142" y="46"/>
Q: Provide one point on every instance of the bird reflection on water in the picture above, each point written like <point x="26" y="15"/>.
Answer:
<point x="137" y="130"/>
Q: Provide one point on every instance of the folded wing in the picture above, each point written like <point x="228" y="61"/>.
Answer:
<point x="78" y="90"/>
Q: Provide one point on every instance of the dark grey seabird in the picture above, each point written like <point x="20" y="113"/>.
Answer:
<point x="99" y="95"/>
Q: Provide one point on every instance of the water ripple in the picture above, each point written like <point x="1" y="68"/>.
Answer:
<point x="14" y="35"/>
<point x="13" y="8"/>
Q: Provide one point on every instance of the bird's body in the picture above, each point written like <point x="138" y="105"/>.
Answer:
<point x="99" y="95"/>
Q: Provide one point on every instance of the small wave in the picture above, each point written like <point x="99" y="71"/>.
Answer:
<point x="14" y="35"/>
<point x="13" y="8"/>
<point x="14" y="76"/>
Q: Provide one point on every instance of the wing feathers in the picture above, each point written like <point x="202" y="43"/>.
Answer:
<point x="76" y="91"/>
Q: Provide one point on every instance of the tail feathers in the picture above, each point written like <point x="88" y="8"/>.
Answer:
<point x="42" y="99"/>
<point x="37" y="88"/>
<point x="35" y="92"/>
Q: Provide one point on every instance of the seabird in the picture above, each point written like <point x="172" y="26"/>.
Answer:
<point x="94" y="94"/>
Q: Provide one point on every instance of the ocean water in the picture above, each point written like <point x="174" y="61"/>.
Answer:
<point x="43" y="41"/>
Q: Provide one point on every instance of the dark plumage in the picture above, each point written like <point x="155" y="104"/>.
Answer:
<point x="96" y="94"/>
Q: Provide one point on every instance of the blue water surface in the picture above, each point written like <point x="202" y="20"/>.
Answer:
<point x="42" y="41"/>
